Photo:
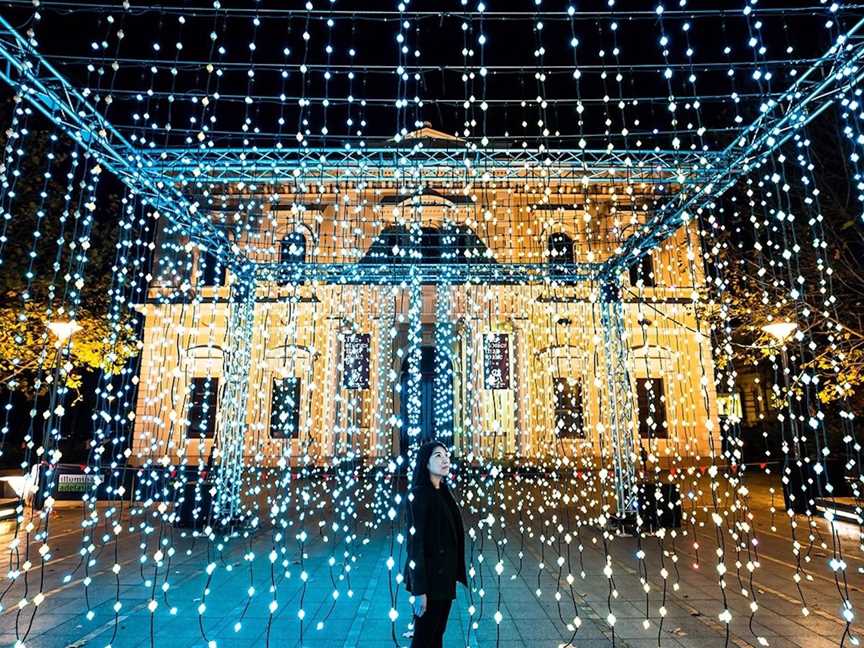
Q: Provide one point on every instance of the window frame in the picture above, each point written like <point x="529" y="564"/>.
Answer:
<point x="576" y="411"/>
<point x="643" y="270"/>
<point x="203" y="400"/>
<point x="206" y="275"/>
<point x="659" y="415"/>
<point x="275" y="384"/>
<point x="292" y="238"/>
<point x="555" y="242"/>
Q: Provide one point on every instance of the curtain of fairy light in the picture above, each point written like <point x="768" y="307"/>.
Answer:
<point x="329" y="506"/>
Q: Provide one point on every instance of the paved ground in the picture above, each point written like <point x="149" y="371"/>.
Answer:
<point x="531" y="535"/>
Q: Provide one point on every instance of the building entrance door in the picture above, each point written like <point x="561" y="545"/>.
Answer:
<point x="436" y="400"/>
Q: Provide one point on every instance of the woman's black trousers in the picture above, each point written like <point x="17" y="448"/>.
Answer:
<point x="429" y="629"/>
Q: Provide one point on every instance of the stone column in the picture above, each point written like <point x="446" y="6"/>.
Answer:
<point x="522" y="392"/>
<point x="415" y="341"/>
<point x="382" y="433"/>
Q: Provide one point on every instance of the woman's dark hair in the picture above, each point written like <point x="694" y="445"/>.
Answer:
<point x="421" y="466"/>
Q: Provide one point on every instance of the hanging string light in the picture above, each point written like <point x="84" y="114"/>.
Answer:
<point x="263" y="254"/>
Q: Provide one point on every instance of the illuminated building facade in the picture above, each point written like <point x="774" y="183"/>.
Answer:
<point x="505" y="319"/>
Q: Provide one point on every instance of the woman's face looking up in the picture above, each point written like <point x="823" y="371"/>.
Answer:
<point x="439" y="462"/>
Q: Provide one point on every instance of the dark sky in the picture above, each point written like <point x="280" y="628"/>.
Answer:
<point x="718" y="33"/>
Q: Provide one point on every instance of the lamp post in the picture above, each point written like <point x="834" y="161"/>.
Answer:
<point x="63" y="330"/>
<point x="781" y="331"/>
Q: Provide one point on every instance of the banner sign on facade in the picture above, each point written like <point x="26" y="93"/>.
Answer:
<point x="355" y="361"/>
<point x="496" y="361"/>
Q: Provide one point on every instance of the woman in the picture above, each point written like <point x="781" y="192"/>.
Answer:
<point x="436" y="548"/>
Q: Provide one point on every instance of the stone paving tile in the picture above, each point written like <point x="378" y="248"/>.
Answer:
<point x="588" y="643"/>
<point x="668" y="642"/>
<point x="528" y="621"/>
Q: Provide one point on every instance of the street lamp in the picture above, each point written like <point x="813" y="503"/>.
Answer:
<point x="781" y="330"/>
<point x="63" y="330"/>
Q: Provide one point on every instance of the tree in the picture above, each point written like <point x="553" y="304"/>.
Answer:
<point x="45" y="241"/>
<point x="798" y="254"/>
<point x="28" y="352"/>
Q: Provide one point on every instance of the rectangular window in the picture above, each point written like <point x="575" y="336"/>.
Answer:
<point x="292" y="248"/>
<point x="285" y="408"/>
<point x="642" y="272"/>
<point x="211" y="272"/>
<point x="651" y="408"/>
<point x="202" y="408"/>
<point x="729" y="406"/>
<point x="569" y="416"/>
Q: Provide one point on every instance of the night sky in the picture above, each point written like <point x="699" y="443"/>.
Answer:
<point x="515" y="51"/>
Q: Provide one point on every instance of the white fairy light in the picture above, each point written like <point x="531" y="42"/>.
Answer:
<point x="283" y="311"/>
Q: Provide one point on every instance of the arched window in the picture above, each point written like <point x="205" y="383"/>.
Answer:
<point x="451" y="244"/>
<point x="292" y="248"/>
<point x="560" y="248"/>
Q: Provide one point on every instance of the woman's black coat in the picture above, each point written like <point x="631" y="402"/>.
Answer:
<point x="436" y="548"/>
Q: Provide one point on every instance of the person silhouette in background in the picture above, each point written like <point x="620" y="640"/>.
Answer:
<point x="436" y="545"/>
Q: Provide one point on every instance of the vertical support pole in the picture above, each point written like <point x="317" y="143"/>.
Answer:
<point x="415" y="340"/>
<point x="235" y="397"/>
<point x="522" y="388"/>
<point x="384" y="407"/>
<point x="414" y="409"/>
<point x="458" y="366"/>
<point x="443" y="384"/>
<point x="470" y="378"/>
<point x="620" y="400"/>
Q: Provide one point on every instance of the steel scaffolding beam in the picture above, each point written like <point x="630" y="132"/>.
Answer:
<point x="619" y="403"/>
<point x="426" y="273"/>
<point x="811" y="94"/>
<point x="256" y="165"/>
<point x="26" y="71"/>
<point x="234" y="400"/>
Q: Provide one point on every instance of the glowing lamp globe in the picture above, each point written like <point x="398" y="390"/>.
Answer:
<point x="63" y="330"/>
<point x="780" y="331"/>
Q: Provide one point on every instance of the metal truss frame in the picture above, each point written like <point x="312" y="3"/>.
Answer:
<point x="619" y="402"/>
<point x="812" y="93"/>
<point x="235" y="398"/>
<point x="160" y="178"/>
<point x="26" y="71"/>
<point x="425" y="273"/>
<point x="412" y="163"/>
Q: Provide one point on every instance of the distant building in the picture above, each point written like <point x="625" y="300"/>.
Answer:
<point x="506" y="368"/>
